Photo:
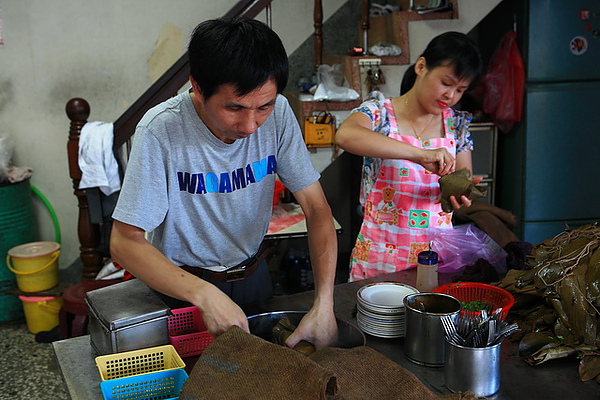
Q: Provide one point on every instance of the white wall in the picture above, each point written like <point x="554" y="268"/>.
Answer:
<point x="470" y="13"/>
<point x="56" y="50"/>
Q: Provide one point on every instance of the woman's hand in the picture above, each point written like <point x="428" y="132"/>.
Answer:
<point x="438" y="161"/>
<point x="464" y="200"/>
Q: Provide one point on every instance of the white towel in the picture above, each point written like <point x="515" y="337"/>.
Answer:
<point x="96" y="159"/>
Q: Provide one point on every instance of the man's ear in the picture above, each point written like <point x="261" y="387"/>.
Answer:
<point x="195" y="87"/>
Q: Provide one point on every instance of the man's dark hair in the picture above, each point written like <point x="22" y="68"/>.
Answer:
<point x="243" y="52"/>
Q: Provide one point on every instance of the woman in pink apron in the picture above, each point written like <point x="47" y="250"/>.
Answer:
<point x="408" y="142"/>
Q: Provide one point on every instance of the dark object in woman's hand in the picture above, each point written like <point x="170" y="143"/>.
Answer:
<point x="458" y="184"/>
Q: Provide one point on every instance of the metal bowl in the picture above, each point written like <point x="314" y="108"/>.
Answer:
<point x="262" y="326"/>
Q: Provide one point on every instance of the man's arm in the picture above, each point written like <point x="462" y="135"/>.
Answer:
<point x="130" y="249"/>
<point x="319" y="325"/>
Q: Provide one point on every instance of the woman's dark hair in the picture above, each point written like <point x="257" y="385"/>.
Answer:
<point x="449" y="49"/>
<point x="243" y="52"/>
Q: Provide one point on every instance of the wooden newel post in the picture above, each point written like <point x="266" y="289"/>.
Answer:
<point x="318" y="35"/>
<point x="366" y="5"/>
<point x="78" y="111"/>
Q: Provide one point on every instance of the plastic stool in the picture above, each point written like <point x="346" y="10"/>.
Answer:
<point x="73" y="315"/>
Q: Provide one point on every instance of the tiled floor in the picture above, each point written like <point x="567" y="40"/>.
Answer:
<point x="28" y="370"/>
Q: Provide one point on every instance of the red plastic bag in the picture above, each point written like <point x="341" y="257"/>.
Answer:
<point x="503" y="84"/>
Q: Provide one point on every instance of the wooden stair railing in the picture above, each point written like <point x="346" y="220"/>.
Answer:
<point x="318" y="35"/>
<point x="78" y="111"/>
<point x="172" y="80"/>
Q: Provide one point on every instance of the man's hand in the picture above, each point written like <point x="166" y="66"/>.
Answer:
<point x="220" y="313"/>
<point x="318" y="328"/>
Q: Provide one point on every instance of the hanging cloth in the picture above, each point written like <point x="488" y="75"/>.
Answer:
<point x="97" y="162"/>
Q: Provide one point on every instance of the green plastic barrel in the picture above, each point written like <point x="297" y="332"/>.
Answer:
<point x="17" y="226"/>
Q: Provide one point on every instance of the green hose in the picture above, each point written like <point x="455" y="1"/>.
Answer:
<point x="51" y="210"/>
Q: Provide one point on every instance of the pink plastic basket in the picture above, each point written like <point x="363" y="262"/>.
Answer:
<point x="187" y="332"/>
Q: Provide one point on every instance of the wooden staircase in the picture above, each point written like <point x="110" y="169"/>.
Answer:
<point x="390" y="28"/>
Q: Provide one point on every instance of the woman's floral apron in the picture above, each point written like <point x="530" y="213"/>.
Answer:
<point x="400" y="209"/>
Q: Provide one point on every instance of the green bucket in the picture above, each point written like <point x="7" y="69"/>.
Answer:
<point x="17" y="226"/>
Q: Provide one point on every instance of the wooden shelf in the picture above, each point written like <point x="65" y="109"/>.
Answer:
<point x="393" y="28"/>
<point x="304" y="109"/>
<point x="390" y="28"/>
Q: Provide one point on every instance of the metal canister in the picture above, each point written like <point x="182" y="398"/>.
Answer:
<point x="126" y="316"/>
<point x="473" y="368"/>
<point x="424" y="341"/>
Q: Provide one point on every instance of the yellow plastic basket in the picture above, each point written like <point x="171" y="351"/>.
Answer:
<point x="136" y="362"/>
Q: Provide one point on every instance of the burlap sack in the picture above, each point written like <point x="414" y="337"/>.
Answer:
<point x="364" y="373"/>
<point x="238" y="365"/>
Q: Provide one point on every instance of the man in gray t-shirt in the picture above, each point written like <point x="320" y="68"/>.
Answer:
<point x="200" y="182"/>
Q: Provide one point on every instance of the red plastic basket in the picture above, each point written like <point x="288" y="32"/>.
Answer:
<point x="473" y="291"/>
<point x="187" y="332"/>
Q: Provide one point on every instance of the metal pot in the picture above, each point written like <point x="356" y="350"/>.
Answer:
<point x="424" y="342"/>
<point x="262" y="326"/>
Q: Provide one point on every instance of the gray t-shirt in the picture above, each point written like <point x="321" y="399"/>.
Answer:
<point x="206" y="202"/>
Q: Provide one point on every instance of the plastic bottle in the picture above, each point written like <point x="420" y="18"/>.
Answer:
<point x="427" y="271"/>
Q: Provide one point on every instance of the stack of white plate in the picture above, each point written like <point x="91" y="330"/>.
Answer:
<point x="380" y="308"/>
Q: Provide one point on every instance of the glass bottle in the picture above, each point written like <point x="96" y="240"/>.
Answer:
<point x="427" y="271"/>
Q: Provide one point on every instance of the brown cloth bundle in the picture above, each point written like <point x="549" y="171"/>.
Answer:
<point x="238" y="365"/>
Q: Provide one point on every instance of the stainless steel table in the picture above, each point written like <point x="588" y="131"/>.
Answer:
<point x="557" y="379"/>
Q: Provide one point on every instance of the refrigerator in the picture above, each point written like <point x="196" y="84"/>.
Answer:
<point x="550" y="162"/>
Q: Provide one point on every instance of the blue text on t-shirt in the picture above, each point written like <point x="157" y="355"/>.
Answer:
<point x="226" y="182"/>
